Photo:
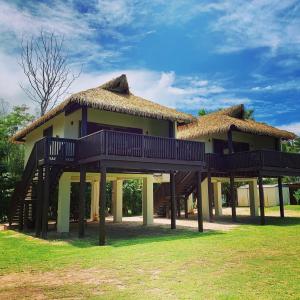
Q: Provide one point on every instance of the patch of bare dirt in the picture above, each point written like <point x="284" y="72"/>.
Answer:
<point x="62" y="284"/>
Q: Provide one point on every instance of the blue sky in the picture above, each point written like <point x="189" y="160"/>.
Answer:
<point x="184" y="54"/>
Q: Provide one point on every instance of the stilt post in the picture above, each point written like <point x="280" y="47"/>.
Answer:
<point x="199" y="202"/>
<point x="82" y="201"/>
<point x="261" y="200"/>
<point x="281" y="204"/>
<point x="232" y="198"/>
<point x="46" y="195"/>
<point x="173" y="200"/>
<point x="102" y="206"/>
<point x="210" y="197"/>
<point x="39" y="202"/>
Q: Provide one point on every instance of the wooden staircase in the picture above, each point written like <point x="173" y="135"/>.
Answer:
<point x="24" y="198"/>
<point x="185" y="183"/>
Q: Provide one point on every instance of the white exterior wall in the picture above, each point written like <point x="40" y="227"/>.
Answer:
<point x="271" y="195"/>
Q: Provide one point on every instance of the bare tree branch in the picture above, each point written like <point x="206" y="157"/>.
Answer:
<point x="46" y="67"/>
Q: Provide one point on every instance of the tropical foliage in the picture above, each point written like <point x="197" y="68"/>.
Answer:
<point x="11" y="155"/>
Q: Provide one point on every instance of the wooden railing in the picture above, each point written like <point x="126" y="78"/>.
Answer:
<point x="114" y="143"/>
<point x="253" y="160"/>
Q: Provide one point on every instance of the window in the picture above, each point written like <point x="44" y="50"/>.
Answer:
<point x="48" y="131"/>
<point x="94" y="127"/>
<point x="221" y="146"/>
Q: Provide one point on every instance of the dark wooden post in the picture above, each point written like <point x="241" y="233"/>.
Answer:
<point x="102" y="206"/>
<point x="232" y="198"/>
<point x="199" y="202"/>
<point x="82" y="201"/>
<point x="83" y="129"/>
<point x="280" y="197"/>
<point x="46" y="195"/>
<point x="210" y="197"/>
<point x="261" y="200"/>
<point x="39" y="202"/>
<point x="173" y="200"/>
<point x="186" y="213"/>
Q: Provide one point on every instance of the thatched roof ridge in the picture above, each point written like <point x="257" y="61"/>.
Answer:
<point x="112" y="96"/>
<point x="224" y="120"/>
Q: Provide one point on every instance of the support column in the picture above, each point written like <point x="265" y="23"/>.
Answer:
<point x="178" y="207"/>
<point x="82" y="190"/>
<point x="210" y="197"/>
<point x="63" y="207"/>
<point x="95" y="201"/>
<point x="218" y="198"/>
<point x="186" y="211"/>
<point x="199" y="202"/>
<point x="39" y="202"/>
<point x="173" y="200"/>
<point x="46" y="193"/>
<point x="148" y="200"/>
<point x="232" y="198"/>
<point x="281" y="204"/>
<point x="205" y="201"/>
<point x="102" y="206"/>
<point x="253" y="198"/>
<point x="261" y="201"/>
<point x="117" y="200"/>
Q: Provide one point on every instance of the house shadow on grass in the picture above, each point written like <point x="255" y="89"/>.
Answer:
<point x="269" y="220"/>
<point x="127" y="234"/>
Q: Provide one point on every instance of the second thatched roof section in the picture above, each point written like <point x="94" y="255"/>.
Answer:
<point x="231" y="118"/>
<point x="113" y="96"/>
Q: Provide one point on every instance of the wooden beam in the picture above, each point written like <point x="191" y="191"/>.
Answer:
<point x="82" y="191"/>
<point x="173" y="200"/>
<point x="229" y="140"/>
<point x="46" y="194"/>
<point x="261" y="200"/>
<point x="84" y="121"/>
<point x="210" y="197"/>
<point x="102" y="206"/>
<point x="199" y="202"/>
<point x="39" y="202"/>
<point x="232" y="198"/>
<point x="281" y="204"/>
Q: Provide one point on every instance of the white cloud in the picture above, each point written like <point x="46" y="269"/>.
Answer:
<point x="260" y="23"/>
<point x="291" y="85"/>
<point x="293" y="127"/>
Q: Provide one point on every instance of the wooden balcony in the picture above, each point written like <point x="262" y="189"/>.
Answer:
<point x="267" y="161"/>
<point x="121" y="146"/>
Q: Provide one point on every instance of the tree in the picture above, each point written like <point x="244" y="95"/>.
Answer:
<point x="11" y="155"/>
<point x="202" y="112"/>
<point x="46" y="67"/>
<point x="248" y="114"/>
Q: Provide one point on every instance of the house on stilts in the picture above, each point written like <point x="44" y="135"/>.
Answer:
<point x="108" y="134"/>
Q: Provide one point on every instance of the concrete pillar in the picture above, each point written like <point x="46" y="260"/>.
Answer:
<point x="218" y="198"/>
<point x="95" y="201"/>
<point x="63" y="207"/>
<point x="205" y="203"/>
<point x="148" y="200"/>
<point x="117" y="200"/>
<point x="253" y="198"/>
<point x="190" y="204"/>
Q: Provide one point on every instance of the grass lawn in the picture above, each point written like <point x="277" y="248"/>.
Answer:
<point x="249" y="262"/>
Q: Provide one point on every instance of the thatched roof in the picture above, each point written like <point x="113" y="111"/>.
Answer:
<point x="231" y="118"/>
<point x="112" y="96"/>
